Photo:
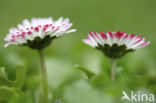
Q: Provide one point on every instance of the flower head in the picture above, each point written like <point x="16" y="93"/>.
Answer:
<point x="115" y="44"/>
<point x="38" y="33"/>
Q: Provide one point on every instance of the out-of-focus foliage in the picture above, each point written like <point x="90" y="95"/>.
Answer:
<point x="67" y="84"/>
<point x="9" y="88"/>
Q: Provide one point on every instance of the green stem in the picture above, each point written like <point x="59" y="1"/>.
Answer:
<point x="44" y="77"/>
<point x="113" y="63"/>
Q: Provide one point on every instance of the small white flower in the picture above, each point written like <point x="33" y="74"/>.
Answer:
<point x="39" y="32"/>
<point x="115" y="44"/>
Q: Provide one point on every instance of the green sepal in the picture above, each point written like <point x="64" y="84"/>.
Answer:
<point x="39" y="43"/>
<point x="115" y="51"/>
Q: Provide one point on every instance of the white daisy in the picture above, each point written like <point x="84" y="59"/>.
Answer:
<point x="115" y="44"/>
<point x="39" y="32"/>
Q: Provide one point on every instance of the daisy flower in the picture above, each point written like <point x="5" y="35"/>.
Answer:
<point x="39" y="32"/>
<point x="115" y="44"/>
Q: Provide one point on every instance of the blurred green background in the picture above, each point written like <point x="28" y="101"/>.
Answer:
<point x="136" y="71"/>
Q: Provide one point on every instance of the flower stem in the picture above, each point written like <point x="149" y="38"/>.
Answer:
<point x="44" y="77"/>
<point x="113" y="63"/>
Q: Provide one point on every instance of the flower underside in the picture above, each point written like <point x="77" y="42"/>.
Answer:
<point x="114" y="51"/>
<point x="39" y="43"/>
<point x="115" y="44"/>
<point x="39" y="32"/>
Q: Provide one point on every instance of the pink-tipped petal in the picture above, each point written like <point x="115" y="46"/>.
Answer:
<point x="110" y="34"/>
<point x="132" y="36"/>
<point x="103" y="35"/>
<point x="119" y="34"/>
<point x="144" y="44"/>
<point x="91" y="34"/>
